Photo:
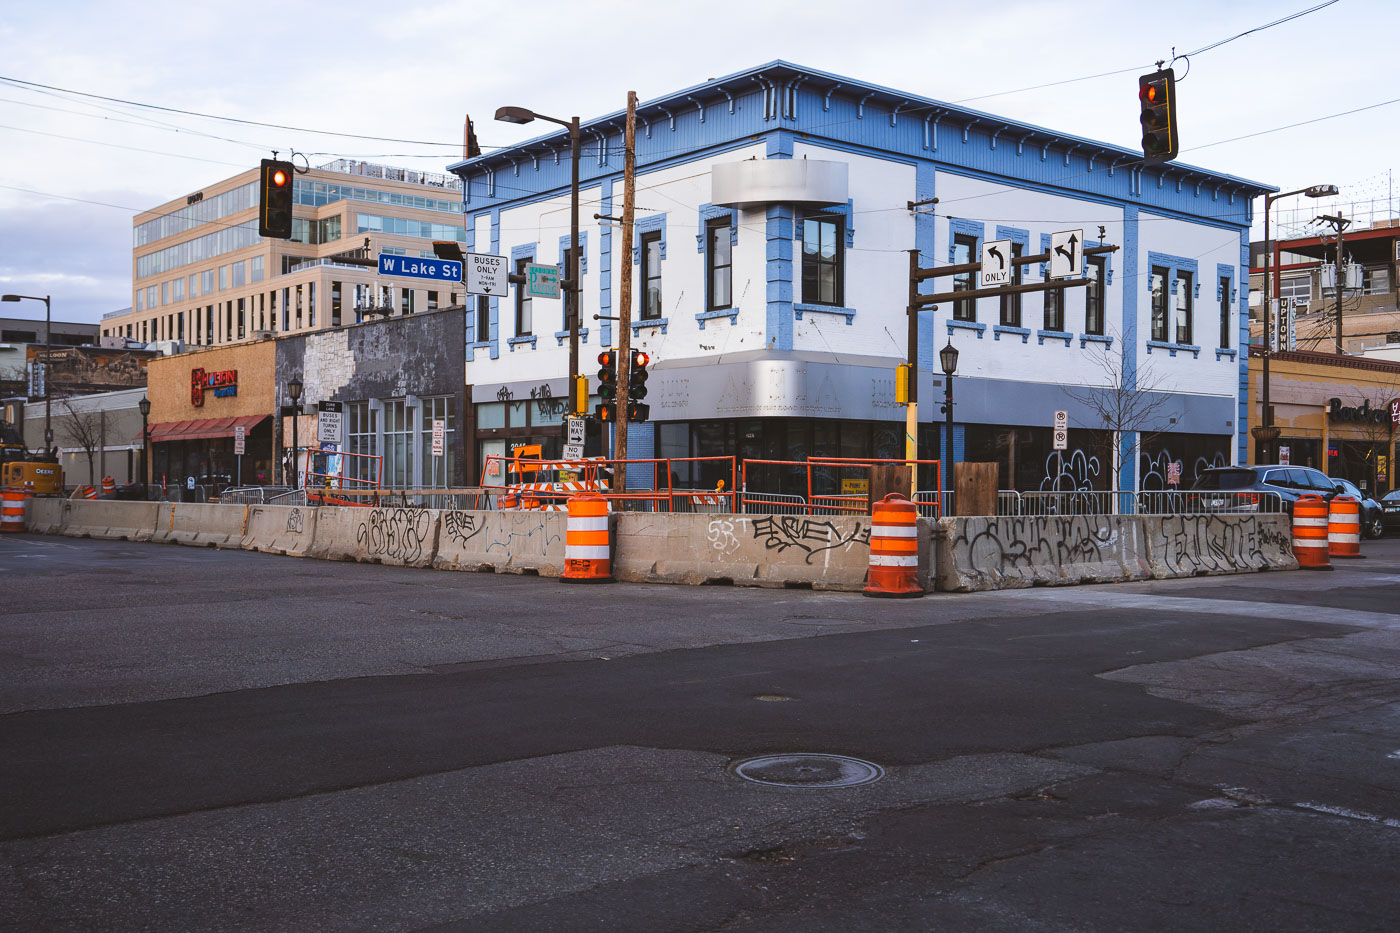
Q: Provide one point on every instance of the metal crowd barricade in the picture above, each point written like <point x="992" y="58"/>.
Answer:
<point x="773" y="503"/>
<point x="327" y="481"/>
<point x="295" y="497"/>
<point x="531" y="483"/>
<point x="816" y="502"/>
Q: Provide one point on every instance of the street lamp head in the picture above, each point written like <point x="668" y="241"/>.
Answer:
<point x="948" y="359"/>
<point x="294" y="389"/>
<point x="9" y="298"/>
<point x="515" y="115"/>
<point x="145" y="406"/>
<point x="1321" y="191"/>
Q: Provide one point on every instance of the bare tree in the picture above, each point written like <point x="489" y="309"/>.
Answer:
<point x="88" y="430"/>
<point x="1145" y="408"/>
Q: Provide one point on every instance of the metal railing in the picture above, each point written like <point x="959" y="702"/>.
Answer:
<point x="295" y="497"/>
<point x="252" y="495"/>
<point x="1010" y="502"/>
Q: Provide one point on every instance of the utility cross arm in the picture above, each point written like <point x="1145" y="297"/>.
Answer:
<point x="940" y="271"/>
<point x="974" y="293"/>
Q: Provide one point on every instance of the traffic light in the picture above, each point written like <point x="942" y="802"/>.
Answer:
<point x="901" y="383"/>
<point x="1157" y="98"/>
<point x="607" y="386"/>
<point x="637" y="387"/>
<point x="275" y="199"/>
<point x="580" y="395"/>
<point x="606" y="412"/>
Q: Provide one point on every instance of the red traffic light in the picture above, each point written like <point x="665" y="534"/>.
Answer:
<point x="279" y="178"/>
<point x="640" y="358"/>
<point x="608" y="358"/>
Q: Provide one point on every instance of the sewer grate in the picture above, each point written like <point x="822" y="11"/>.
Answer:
<point x="810" y="770"/>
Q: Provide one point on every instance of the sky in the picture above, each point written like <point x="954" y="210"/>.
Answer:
<point x="76" y="170"/>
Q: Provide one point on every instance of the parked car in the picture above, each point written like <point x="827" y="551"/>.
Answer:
<point x="1390" y="509"/>
<point x="1285" y="482"/>
<point x="1372" y="512"/>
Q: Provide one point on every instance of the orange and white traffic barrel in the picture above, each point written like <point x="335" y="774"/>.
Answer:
<point x="1310" y="533"/>
<point x="894" y="548"/>
<point x="12" y="501"/>
<point x="1344" y="527"/>
<point x="587" y="552"/>
<point x="109" y="485"/>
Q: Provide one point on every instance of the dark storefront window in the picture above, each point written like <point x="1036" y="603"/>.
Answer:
<point x="1302" y="451"/>
<point x="1027" y="461"/>
<point x="1196" y="452"/>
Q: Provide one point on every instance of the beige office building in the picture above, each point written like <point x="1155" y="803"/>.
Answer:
<point x="203" y="276"/>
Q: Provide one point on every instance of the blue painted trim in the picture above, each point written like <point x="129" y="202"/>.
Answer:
<point x="1107" y="261"/>
<point x="973" y="228"/>
<point x="1222" y="352"/>
<point x="1245" y="404"/>
<point x="1015" y="235"/>
<point x="731" y="313"/>
<point x="778" y="322"/>
<point x="799" y="309"/>
<point x="514" y="342"/>
<point x="780" y="144"/>
<point x="1023" y="332"/>
<point x="1172" y="348"/>
<point x="709" y="212"/>
<point x="1086" y="339"/>
<point x="844" y="211"/>
<point x="966" y="325"/>
<point x="660" y="322"/>
<point x="649" y="224"/>
<point x="582" y="256"/>
<point x="605" y="251"/>
<point x="1043" y="335"/>
<point x="495" y="312"/>
<point x="1227" y="272"/>
<point x="1176" y="265"/>
<point x="562" y="335"/>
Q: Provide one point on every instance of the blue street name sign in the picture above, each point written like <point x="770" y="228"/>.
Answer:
<point x="443" y="270"/>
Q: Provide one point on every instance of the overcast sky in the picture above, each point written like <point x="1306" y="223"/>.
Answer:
<point x="412" y="69"/>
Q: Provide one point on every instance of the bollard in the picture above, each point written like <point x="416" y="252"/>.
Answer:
<point x="12" y="501"/>
<point x="109" y="485"/>
<point x="1310" y="533"/>
<point x="587" y="553"/>
<point x="1344" y="527"/>
<point x="894" y="549"/>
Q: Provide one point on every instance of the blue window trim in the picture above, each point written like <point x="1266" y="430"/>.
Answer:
<point x="1023" y="332"/>
<point x="976" y="229"/>
<point x="1223" y="271"/>
<point x="514" y="342"/>
<point x="799" y="308"/>
<point x="562" y="335"/>
<point x="731" y="313"/>
<point x="1223" y="352"/>
<point x="1175" y="265"/>
<point x="1015" y="235"/>
<point x="845" y="211"/>
<point x="517" y="253"/>
<point x="1086" y="339"/>
<point x="1172" y="348"/>
<point x="1043" y="335"/>
<point x="966" y="325"/>
<point x="709" y="212"/>
<point x="650" y="224"/>
<point x="660" y="322"/>
<point x="1107" y="264"/>
<point x="582" y="256"/>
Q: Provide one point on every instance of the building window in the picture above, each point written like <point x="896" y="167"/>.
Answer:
<point x="1094" y="298"/>
<point x="335" y="304"/>
<point x="524" y="306"/>
<point x="206" y="281"/>
<point x="1055" y="309"/>
<point x="432" y="301"/>
<point x="483" y="318"/>
<point x="240" y="274"/>
<point x="822" y="261"/>
<point x="406" y="301"/>
<point x="1183" y="307"/>
<point x="1295" y="286"/>
<point x="177" y="290"/>
<point x="651" y="276"/>
<point x="1375" y="280"/>
<point x="194" y="285"/>
<point x="223" y="277"/>
<point x="362" y="438"/>
<point x="1158" y="285"/>
<point x="1011" y="304"/>
<point x="438" y="470"/>
<point x="963" y="246"/>
<point x="165" y="293"/>
<point x="398" y="444"/>
<point x="1224" y="312"/>
<point x="257" y="264"/>
<point x="719" y="258"/>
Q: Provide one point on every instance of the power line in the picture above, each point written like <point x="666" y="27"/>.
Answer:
<point x="1277" y="22"/>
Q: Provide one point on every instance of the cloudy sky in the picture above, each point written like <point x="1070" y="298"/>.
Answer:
<point x="76" y="169"/>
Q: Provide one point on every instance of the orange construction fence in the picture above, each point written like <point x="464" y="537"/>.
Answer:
<point x="854" y="499"/>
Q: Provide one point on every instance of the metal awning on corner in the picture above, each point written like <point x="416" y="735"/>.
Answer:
<point x="202" y="429"/>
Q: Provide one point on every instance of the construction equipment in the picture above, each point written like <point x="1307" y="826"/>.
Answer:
<point x="37" y="473"/>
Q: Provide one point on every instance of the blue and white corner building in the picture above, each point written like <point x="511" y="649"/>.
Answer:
<point x="771" y="276"/>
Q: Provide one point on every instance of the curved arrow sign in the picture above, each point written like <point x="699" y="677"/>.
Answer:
<point x="1066" y="253"/>
<point x="996" y="263"/>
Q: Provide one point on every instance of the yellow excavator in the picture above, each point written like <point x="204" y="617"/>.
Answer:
<point x="38" y="473"/>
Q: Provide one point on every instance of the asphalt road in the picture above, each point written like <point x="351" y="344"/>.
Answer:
<point x="194" y="739"/>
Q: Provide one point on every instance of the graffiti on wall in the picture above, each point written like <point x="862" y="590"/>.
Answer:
<point x="1070" y="471"/>
<point x="461" y="527"/>
<point x="720" y="534"/>
<point x="1202" y="544"/>
<point x="400" y="534"/>
<point x="812" y="536"/>
<point x="296" y="524"/>
<point x="1155" y="468"/>
<point x="1015" y="545"/>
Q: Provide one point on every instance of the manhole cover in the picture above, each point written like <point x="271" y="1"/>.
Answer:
<point x="808" y="770"/>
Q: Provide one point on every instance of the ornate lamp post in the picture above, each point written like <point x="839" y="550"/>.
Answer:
<point x="145" y="406"/>
<point x="294" y="393"/>
<point x="948" y="359"/>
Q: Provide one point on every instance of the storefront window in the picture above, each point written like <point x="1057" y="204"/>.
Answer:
<point x="398" y="443"/>
<point x="438" y="470"/>
<point x="362" y="439"/>
<point x="491" y="415"/>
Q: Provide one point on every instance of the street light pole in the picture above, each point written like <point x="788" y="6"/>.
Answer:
<point x="948" y="360"/>
<point x="294" y="393"/>
<point x="48" y="326"/>
<point x="145" y="406"/>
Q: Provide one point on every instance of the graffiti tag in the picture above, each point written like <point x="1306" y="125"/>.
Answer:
<point x="296" y="524"/>
<point x="396" y="533"/>
<point x="780" y="532"/>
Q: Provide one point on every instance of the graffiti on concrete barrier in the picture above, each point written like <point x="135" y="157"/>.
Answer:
<point x="395" y="533"/>
<point x="523" y="534"/>
<point x="721" y="534"/>
<point x="295" y="523"/>
<point x="1201" y="544"/>
<point x="780" y="532"/>
<point x="461" y="527"/>
<point x="1013" y="545"/>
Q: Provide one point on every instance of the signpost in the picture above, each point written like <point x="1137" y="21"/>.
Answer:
<point x="1061" y="430"/>
<point x="440" y="270"/>
<point x="240" y="434"/>
<point x="439" y="437"/>
<point x="485" y="274"/>
<point x="996" y="263"/>
<point x="541" y="281"/>
<point x="1066" y="254"/>
<point x="330" y="424"/>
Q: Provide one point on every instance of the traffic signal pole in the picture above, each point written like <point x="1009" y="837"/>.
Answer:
<point x="911" y="412"/>
<point x="624" y="311"/>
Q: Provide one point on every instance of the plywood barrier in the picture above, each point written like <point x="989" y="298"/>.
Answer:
<point x="404" y="537"/>
<point x="280" y="529"/>
<point x="46" y="516"/>
<point x="111" y="519"/>
<point x="200" y="524"/>
<point x="504" y="542"/>
<point x="1200" y="545"/>
<point x="825" y="552"/>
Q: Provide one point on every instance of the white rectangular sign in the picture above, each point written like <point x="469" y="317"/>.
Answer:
<point x="239" y="439"/>
<point x="1066" y="254"/>
<point x="439" y="437"/>
<point x="329" y="423"/>
<point x="573" y="451"/>
<point x="1062" y="419"/>
<point x="577" y="428"/>
<point x="996" y="263"/>
<point x="1061" y="430"/>
<point x="485" y="274"/>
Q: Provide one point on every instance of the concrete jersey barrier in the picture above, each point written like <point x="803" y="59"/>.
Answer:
<point x="1199" y="545"/>
<point x="510" y="541"/>
<point x="280" y="529"/>
<point x="825" y="552"/>
<point x="995" y="553"/>
<point x="405" y="537"/>
<point x="200" y="524"/>
<point x="111" y="519"/>
<point x="46" y="516"/>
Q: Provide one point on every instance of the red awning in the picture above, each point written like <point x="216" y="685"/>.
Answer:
<point x="202" y="429"/>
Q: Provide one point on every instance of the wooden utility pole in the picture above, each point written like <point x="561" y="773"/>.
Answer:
<point x="624" y="310"/>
